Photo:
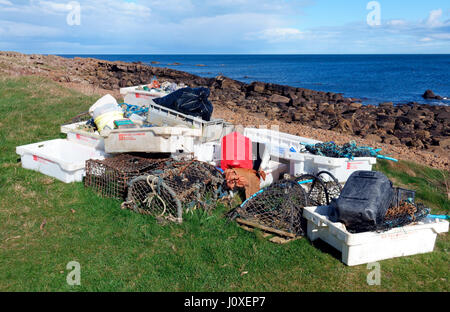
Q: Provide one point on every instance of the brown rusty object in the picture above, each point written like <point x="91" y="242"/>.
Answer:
<point x="404" y="208"/>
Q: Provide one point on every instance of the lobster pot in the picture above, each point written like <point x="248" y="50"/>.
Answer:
<point x="110" y="177"/>
<point x="170" y="193"/>
<point x="403" y="195"/>
<point x="278" y="207"/>
<point x="315" y="189"/>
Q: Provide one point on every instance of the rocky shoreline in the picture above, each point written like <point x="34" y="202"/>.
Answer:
<point x="416" y="126"/>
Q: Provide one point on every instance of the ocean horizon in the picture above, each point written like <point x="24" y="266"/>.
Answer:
<point x="372" y="78"/>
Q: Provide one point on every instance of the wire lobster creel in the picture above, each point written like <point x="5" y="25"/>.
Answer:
<point x="277" y="208"/>
<point x="315" y="189"/>
<point x="332" y="185"/>
<point x="174" y="191"/>
<point x="110" y="177"/>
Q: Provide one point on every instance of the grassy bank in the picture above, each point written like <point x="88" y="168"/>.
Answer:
<point x="44" y="224"/>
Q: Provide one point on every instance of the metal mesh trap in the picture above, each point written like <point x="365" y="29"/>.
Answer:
<point x="332" y="185"/>
<point x="315" y="189"/>
<point x="277" y="208"/>
<point x="183" y="187"/>
<point x="109" y="177"/>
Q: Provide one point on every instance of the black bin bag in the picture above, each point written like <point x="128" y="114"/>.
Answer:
<point x="364" y="201"/>
<point x="189" y="101"/>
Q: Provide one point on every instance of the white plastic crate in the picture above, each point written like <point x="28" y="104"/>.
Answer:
<point x="369" y="247"/>
<point x="152" y="140"/>
<point x="140" y="97"/>
<point x="207" y="152"/>
<point x="273" y="172"/>
<point x="83" y="137"/>
<point x="341" y="168"/>
<point x="279" y="142"/>
<point x="61" y="159"/>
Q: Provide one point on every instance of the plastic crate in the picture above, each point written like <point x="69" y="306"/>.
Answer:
<point x="162" y="116"/>
<point x="152" y="140"/>
<point x="279" y="142"/>
<point x="273" y="172"/>
<point x="92" y="139"/>
<point x="360" y="248"/>
<point x="62" y="159"/>
<point x="341" y="168"/>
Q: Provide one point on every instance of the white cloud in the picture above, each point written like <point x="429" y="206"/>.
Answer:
<point x="54" y="6"/>
<point x="397" y="22"/>
<point x="434" y="18"/>
<point x="13" y="29"/>
<point x="276" y="34"/>
<point x="5" y="2"/>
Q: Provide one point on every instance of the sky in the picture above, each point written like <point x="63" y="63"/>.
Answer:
<point x="225" y="26"/>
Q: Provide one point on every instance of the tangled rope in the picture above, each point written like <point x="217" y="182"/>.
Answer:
<point x="349" y="150"/>
<point x="150" y="196"/>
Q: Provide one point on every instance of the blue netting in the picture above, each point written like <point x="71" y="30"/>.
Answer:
<point x="348" y="150"/>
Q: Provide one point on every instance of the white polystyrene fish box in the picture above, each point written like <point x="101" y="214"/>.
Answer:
<point x="367" y="247"/>
<point x="62" y="159"/>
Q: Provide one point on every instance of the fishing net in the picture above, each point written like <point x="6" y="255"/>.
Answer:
<point x="169" y="193"/>
<point x="109" y="177"/>
<point x="278" y="207"/>
<point x="348" y="150"/>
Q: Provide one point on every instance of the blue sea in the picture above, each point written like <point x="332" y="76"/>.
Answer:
<point x="372" y="78"/>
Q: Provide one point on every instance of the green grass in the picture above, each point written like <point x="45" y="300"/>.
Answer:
<point x="123" y="251"/>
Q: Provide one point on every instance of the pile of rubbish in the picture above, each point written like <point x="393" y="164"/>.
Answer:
<point x="161" y="153"/>
<point x="171" y="191"/>
<point x="369" y="202"/>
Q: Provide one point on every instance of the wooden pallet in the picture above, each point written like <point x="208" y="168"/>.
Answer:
<point x="273" y="235"/>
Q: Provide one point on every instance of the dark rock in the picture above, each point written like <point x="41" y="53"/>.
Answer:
<point x="276" y="98"/>
<point x="429" y="95"/>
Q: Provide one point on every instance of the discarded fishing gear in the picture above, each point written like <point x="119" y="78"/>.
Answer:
<point x="332" y="185"/>
<point x="401" y="213"/>
<point x="133" y="109"/>
<point x="348" y="150"/>
<point x="110" y="177"/>
<point x="277" y="208"/>
<point x="315" y="189"/>
<point x="171" y="192"/>
<point x="320" y="188"/>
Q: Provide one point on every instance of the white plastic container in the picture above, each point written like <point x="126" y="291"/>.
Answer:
<point x="207" y="152"/>
<point x="92" y="139"/>
<point x="284" y="146"/>
<point x="341" y="168"/>
<point x="152" y="140"/>
<point x="152" y="93"/>
<point x="280" y="142"/>
<point x="141" y="97"/>
<point x="369" y="247"/>
<point x="275" y="169"/>
<point x="61" y="159"/>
